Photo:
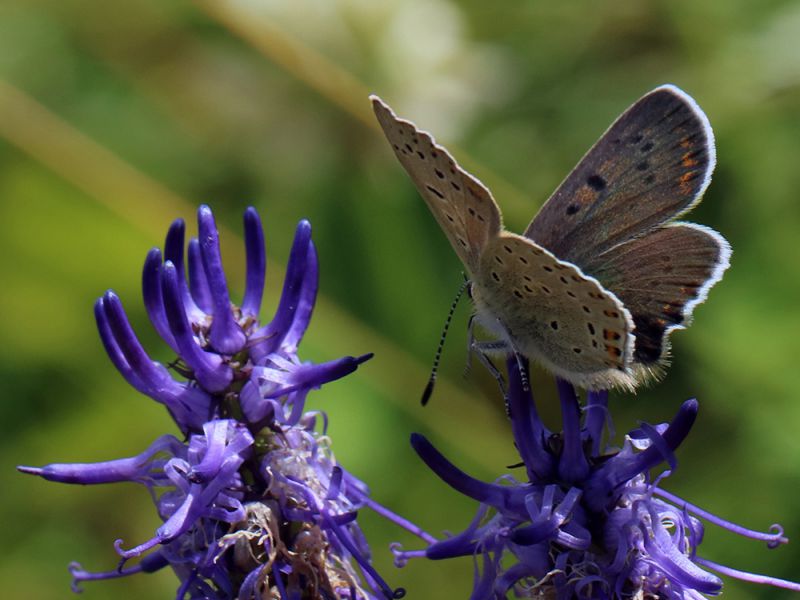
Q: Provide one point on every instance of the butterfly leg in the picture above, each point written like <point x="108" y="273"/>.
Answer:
<point x="482" y="350"/>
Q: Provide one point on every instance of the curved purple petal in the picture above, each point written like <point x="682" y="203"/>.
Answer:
<point x="198" y="281"/>
<point x="225" y="335"/>
<point x="209" y="369"/>
<point x="256" y="263"/>
<point x="272" y="335"/>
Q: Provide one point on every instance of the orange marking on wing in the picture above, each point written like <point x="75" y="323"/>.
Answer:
<point x="685" y="182"/>
<point x="688" y="161"/>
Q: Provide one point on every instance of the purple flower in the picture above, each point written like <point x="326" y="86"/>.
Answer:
<point x="253" y="503"/>
<point x="586" y="521"/>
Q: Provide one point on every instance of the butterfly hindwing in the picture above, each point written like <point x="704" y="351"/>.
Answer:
<point x="652" y="165"/>
<point x="552" y="312"/>
<point x="660" y="278"/>
<point x="463" y="207"/>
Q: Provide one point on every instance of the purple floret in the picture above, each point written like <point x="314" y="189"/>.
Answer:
<point x="253" y="503"/>
<point x="586" y="521"/>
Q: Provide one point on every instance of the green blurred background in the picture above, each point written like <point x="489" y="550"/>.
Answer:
<point x="115" y="118"/>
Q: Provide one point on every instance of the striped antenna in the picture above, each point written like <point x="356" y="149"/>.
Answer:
<point x="426" y="395"/>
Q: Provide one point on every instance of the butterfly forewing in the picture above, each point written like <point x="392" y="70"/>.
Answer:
<point x="463" y="207"/>
<point x="553" y="312"/>
<point x="652" y="164"/>
<point x="660" y="278"/>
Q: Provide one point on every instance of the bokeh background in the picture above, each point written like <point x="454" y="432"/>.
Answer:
<point x="116" y="118"/>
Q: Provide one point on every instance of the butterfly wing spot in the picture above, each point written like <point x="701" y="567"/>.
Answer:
<point x="518" y="294"/>
<point x="611" y="335"/>
<point x="554" y="325"/>
<point x="456" y="187"/>
<point x="495" y="276"/>
<point x="546" y="289"/>
<point x="572" y="209"/>
<point x="439" y="174"/>
<point x="523" y="260"/>
<point x="547" y="268"/>
<point x="508" y="249"/>
<point x="571" y="294"/>
<point x="613" y="351"/>
<point x="685" y="182"/>
<point x="450" y="217"/>
<point x="528" y="288"/>
<point x="586" y="309"/>
<point x="689" y="159"/>
<point x="611" y="313"/>
<point x="564" y="280"/>
<point x="421" y="155"/>
<point x="433" y="190"/>
<point x="646" y="147"/>
<point x="590" y="327"/>
<point x="462" y="242"/>
<point x="577" y="350"/>
<point x="498" y="260"/>
<point x="596" y="182"/>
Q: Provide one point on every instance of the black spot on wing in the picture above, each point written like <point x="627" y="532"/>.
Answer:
<point x="433" y="190"/>
<point x="596" y="182"/>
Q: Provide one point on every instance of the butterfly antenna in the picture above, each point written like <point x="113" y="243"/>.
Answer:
<point x="426" y="395"/>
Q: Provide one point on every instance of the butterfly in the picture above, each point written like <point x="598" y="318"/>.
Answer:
<point x="604" y="272"/>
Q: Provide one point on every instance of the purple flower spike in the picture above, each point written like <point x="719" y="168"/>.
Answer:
<point x="173" y="252"/>
<point x="256" y="263"/>
<point x="189" y="406"/>
<point x="588" y="522"/>
<point x="140" y="469"/>
<point x="297" y="274"/>
<point x="154" y="298"/>
<point x="282" y="376"/>
<point x="225" y="335"/>
<point x="211" y="372"/>
<point x="198" y="282"/>
<point x="253" y="504"/>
